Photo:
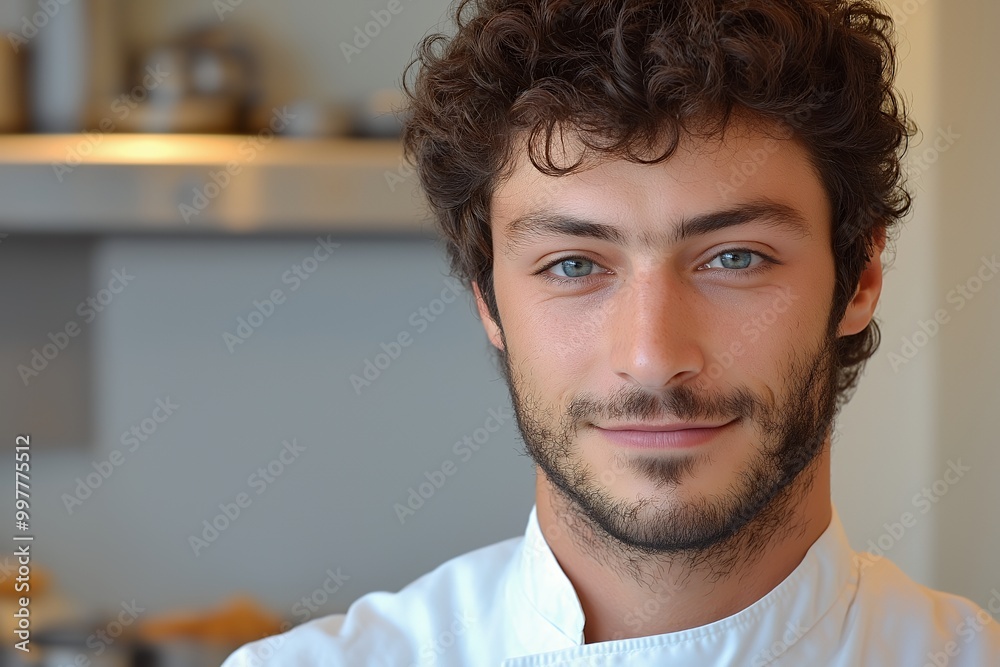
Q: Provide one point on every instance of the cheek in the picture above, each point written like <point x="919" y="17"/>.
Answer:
<point x="754" y="340"/>
<point x="565" y="338"/>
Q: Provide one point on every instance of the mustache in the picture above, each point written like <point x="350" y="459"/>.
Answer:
<point x="676" y="404"/>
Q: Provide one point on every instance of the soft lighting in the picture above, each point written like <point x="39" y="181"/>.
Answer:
<point x="169" y="148"/>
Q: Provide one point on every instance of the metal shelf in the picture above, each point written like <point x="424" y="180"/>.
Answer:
<point x="103" y="183"/>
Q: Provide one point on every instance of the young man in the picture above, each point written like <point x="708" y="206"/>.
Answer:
<point x="671" y="214"/>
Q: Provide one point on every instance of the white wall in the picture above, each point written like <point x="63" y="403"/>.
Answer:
<point x="907" y="425"/>
<point x="968" y="228"/>
<point x="886" y="451"/>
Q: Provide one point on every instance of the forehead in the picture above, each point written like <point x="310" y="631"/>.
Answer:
<point x="757" y="173"/>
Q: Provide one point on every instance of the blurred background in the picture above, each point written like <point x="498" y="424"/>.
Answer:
<point x="229" y="330"/>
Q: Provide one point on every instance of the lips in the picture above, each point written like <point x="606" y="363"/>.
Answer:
<point x="671" y="436"/>
<point x="680" y="426"/>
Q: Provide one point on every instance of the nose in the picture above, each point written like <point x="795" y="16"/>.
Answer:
<point x="655" y="332"/>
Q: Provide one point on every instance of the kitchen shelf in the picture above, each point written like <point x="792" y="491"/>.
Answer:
<point x="104" y="183"/>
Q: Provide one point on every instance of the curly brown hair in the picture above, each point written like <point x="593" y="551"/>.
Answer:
<point x="627" y="75"/>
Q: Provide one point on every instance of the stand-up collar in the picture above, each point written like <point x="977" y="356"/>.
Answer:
<point x="552" y="621"/>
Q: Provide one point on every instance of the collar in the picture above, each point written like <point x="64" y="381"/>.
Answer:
<point x="826" y="576"/>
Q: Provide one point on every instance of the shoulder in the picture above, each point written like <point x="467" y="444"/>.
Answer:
<point x="906" y="615"/>
<point x="404" y="628"/>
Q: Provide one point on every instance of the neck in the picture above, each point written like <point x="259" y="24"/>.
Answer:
<point x="625" y="593"/>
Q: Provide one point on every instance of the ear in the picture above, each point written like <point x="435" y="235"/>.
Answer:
<point x="492" y="330"/>
<point x="861" y="309"/>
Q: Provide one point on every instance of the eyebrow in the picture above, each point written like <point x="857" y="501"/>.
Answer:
<point x="533" y="226"/>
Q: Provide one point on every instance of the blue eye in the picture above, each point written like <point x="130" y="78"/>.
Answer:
<point x="739" y="262"/>
<point x="576" y="270"/>
<point x="575" y="267"/>
<point x="743" y="259"/>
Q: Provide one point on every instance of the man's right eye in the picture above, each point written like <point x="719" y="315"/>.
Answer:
<point x="574" y="270"/>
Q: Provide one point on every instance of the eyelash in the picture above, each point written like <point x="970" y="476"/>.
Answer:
<point x="766" y="264"/>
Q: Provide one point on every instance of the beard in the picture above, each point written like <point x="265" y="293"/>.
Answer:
<point x="720" y="528"/>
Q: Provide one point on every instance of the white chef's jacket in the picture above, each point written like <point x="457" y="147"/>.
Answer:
<point x="511" y="605"/>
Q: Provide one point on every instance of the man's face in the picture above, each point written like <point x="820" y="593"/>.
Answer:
<point x="628" y="297"/>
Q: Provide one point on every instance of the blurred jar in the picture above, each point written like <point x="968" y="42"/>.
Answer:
<point x="12" y="114"/>
<point x="60" y="65"/>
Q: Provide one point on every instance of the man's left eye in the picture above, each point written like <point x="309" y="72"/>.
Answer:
<point x="737" y="259"/>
